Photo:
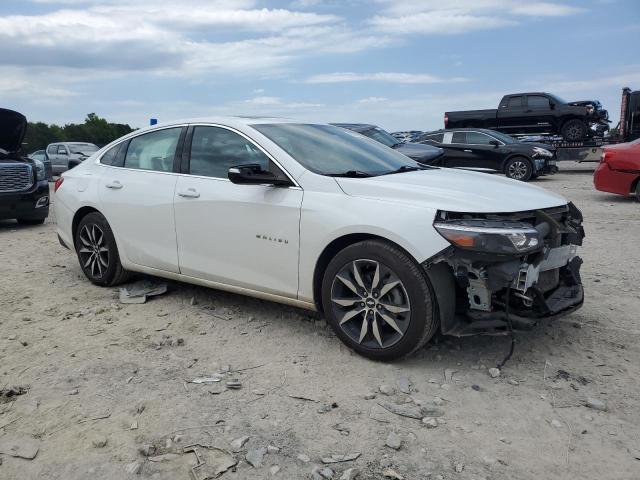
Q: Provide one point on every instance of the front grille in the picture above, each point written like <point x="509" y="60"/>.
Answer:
<point x="15" y="177"/>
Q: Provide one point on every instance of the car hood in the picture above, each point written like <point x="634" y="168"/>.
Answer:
<point x="546" y="146"/>
<point x="453" y="190"/>
<point x="418" y="151"/>
<point x="13" y="126"/>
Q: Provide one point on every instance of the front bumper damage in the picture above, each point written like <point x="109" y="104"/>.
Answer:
<point x="473" y="288"/>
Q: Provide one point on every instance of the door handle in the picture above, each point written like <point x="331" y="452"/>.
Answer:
<point x="115" y="185"/>
<point x="189" y="193"/>
<point x="467" y="150"/>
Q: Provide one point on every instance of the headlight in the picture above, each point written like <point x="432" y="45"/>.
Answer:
<point x="491" y="237"/>
<point x="541" y="152"/>
<point x="40" y="172"/>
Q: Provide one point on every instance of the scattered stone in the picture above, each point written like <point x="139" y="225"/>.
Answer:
<point x="99" y="442"/>
<point x="404" y="384"/>
<point x="7" y="394"/>
<point x="208" y="379"/>
<point x="477" y="388"/>
<point x="393" y="441"/>
<point x="234" y="384"/>
<point x="494" y="372"/>
<point x="19" y="446"/>
<point x="274" y="470"/>
<point x="12" y="337"/>
<point x="238" y="443"/>
<point x="324" y="408"/>
<point x="445" y="386"/>
<point x="216" y="389"/>
<point x="430" y="422"/>
<point x="438" y="401"/>
<point x="134" y="425"/>
<point x="254" y="457"/>
<point x="370" y="396"/>
<point x="555" y="423"/>
<point x="133" y="468"/>
<point x="74" y="391"/>
<point x="387" y="390"/>
<point x="513" y="381"/>
<point x="273" y="449"/>
<point x="259" y="391"/>
<point x="146" y="450"/>
<point x="597" y="404"/>
<point x="505" y="440"/>
<point x="489" y="461"/>
<point x="303" y="458"/>
<point x="350" y="474"/>
<point x="338" y="458"/>
<point x="390" y="473"/>
<point x="459" y="467"/>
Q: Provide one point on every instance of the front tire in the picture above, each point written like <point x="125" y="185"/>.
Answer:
<point x="97" y="251"/>
<point x="574" y="130"/>
<point x="637" y="193"/>
<point x="378" y="300"/>
<point x="519" y="168"/>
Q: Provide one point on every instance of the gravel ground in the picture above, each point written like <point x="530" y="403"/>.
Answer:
<point x="109" y="392"/>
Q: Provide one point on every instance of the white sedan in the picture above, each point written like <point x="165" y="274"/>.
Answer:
<point x="322" y="218"/>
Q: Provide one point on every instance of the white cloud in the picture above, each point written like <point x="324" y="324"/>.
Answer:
<point x="373" y="100"/>
<point x="263" y="101"/>
<point x="445" y="22"/>
<point x="389" y="77"/>
<point x="545" y="9"/>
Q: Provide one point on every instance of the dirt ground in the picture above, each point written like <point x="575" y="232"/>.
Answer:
<point x="109" y="392"/>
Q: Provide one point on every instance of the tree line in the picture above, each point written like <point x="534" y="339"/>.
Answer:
<point x="94" y="130"/>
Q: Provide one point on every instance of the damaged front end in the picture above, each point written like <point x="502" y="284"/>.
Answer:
<point x="506" y="267"/>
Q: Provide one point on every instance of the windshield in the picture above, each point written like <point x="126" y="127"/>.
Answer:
<point x="330" y="150"/>
<point x="503" y="137"/>
<point x="381" y="136"/>
<point x="83" y="148"/>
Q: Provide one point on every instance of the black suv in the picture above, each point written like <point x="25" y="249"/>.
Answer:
<point x="491" y="151"/>
<point x="24" y="190"/>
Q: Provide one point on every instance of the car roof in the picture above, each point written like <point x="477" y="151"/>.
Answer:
<point x="467" y="129"/>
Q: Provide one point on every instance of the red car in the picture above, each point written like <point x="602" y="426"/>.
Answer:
<point x="619" y="169"/>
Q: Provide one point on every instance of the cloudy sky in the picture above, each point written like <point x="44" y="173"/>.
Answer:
<point x="397" y="63"/>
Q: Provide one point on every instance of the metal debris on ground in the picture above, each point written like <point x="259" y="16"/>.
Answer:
<point x="211" y="462"/>
<point x="138" y="292"/>
<point x="208" y="379"/>
<point x="338" y="458"/>
<point x="234" y="384"/>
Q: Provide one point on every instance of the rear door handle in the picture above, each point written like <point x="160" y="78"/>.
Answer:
<point x="189" y="193"/>
<point x="468" y="151"/>
<point x="115" y="185"/>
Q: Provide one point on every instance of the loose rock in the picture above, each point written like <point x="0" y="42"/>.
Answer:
<point x="393" y="441"/>
<point x="254" y="457"/>
<point x="303" y="458"/>
<point x="133" y="468"/>
<point x="99" y="442"/>
<point x="350" y="474"/>
<point x="597" y="404"/>
<point x="387" y="390"/>
<point x="390" y="473"/>
<point x="430" y="422"/>
<point x="238" y="443"/>
<point x="274" y="470"/>
<point x="404" y="384"/>
<point x="494" y="372"/>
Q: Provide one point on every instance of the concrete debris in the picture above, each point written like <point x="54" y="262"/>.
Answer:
<point x="513" y="381"/>
<point x="138" y="292"/>
<point x="597" y="404"/>
<point x="318" y="473"/>
<point x="404" y="385"/>
<point x="134" y="425"/>
<point x="387" y="390"/>
<point x="211" y="461"/>
<point x="394" y="441"/>
<point x="350" y="474"/>
<point x="430" y="422"/>
<point x="303" y="458"/>
<point x="273" y="449"/>
<point x="254" y="457"/>
<point x="133" y="468"/>
<point x="238" y="443"/>
<point x="73" y="391"/>
<point x="274" y="470"/>
<point x="370" y="396"/>
<point x="99" y="442"/>
<point x="338" y="458"/>
<point x="146" y="450"/>
<point x="494" y="372"/>
<point x="19" y="446"/>
<point x="556" y="423"/>
<point x="390" y="473"/>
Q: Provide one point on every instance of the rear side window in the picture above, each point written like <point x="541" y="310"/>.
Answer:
<point x="538" y="102"/>
<point x="110" y="157"/>
<point x="477" y="138"/>
<point x="437" y="138"/>
<point x="154" y="150"/>
<point x="214" y="150"/>
<point x="459" y="137"/>
<point x="514" y="102"/>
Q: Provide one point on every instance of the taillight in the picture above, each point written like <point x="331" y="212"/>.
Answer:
<point x="58" y="184"/>
<point x="606" y="156"/>
<point x="446" y="121"/>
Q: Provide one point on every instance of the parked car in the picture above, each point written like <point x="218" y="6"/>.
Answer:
<point x="24" y="190"/>
<point x="488" y="150"/>
<point x="420" y="153"/>
<point x="41" y="155"/>
<point x="66" y="155"/>
<point x="536" y="112"/>
<point x="619" y="169"/>
<point x="317" y="217"/>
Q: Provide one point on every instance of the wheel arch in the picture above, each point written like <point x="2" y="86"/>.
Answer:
<point x="515" y="155"/>
<point x="77" y="217"/>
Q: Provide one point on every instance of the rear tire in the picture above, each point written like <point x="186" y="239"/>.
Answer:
<point x="638" y="190"/>
<point x="574" y="130"/>
<point x="97" y="251"/>
<point x="378" y="300"/>
<point x="519" y="168"/>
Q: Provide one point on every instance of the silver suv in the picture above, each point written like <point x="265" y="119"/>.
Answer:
<point x="66" y="155"/>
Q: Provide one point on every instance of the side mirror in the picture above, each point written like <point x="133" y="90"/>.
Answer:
<point x="253" y="174"/>
<point x="495" y="143"/>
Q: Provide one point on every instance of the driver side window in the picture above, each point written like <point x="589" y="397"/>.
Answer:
<point x="214" y="150"/>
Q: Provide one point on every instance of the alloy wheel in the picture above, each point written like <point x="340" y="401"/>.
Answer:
<point x="574" y="133"/>
<point x="518" y="170"/>
<point x="370" y="303"/>
<point x="94" y="254"/>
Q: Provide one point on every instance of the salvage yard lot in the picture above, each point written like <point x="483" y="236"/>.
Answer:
<point x="108" y="383"/>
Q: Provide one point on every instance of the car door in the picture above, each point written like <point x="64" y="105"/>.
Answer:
<point x="539" y="114"/>
<point x="458" y="154"/>
<point x="484" y="155"/>
<point x="136" y="192"/>
<point x="511" y="115"/>
<point x="52" y="154"/>
<point x="241" y="235"/>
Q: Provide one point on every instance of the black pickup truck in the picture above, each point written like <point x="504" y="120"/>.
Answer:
<point x="536" y="112"/>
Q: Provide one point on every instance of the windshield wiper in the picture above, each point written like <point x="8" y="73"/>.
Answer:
<point x="404" y="168"/>
<point x="351" y="174"/>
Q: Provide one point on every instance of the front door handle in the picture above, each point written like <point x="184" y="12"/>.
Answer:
<point x="189" y="193"/>
<point x="468" y="151"/>
<point x="115" y="185"/>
